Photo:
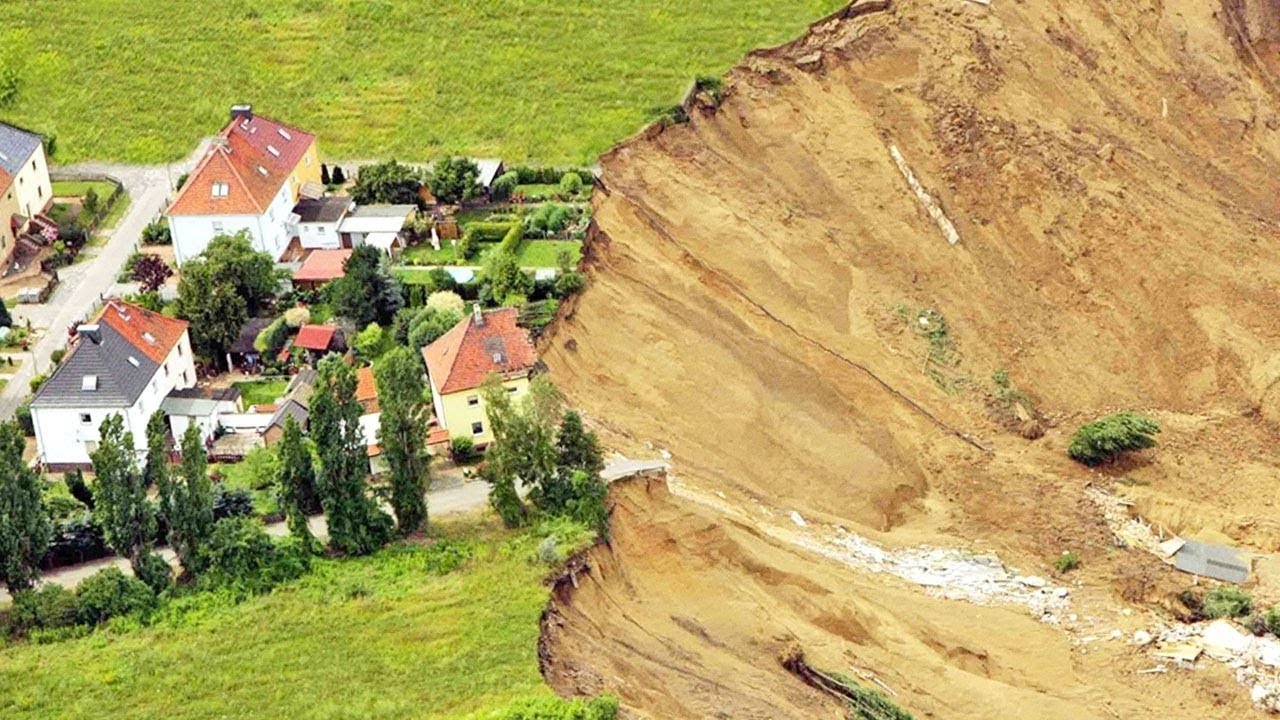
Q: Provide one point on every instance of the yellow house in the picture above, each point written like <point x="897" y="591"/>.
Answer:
<point x="484" y="343"/>
<point x="25" y="190"/>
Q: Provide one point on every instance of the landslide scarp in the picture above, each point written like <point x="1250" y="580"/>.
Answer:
<point x="771" y="301"/>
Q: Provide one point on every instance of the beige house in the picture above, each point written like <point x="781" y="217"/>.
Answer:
<point x="25" y="189"/>
<point x="485" y="343"/>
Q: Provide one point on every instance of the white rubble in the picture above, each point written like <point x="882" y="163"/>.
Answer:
<point x="1255" y="659"/>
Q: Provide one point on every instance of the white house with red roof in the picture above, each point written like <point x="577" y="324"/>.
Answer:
<point x="125" y="361"/>
<point x="251" y="178"/>
<point x="487" y="342"/>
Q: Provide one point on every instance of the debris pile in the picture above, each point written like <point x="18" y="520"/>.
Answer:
<point x="948" y="573"/>
<point x="1256" y="660"/>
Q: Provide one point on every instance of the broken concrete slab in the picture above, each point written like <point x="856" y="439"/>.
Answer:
<point x="1215" y="561"/>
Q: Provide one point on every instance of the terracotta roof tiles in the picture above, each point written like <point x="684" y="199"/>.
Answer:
<point x="462" y="358"/>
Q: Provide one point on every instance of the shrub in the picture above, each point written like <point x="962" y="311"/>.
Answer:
<point x="272" y="337"/>
<point x="368" y="342"/>
<point x="110" y="593"/>
<point x="463" y="450"/>
<point x="51" y="606"/>
<point x="446" y="300"/>
<point x="1272" y="620"/>
<point x="240" y="555"/>
<point x="296" y="317"/>
<point x="512" y="240"/>
<point x="569" y="283"/>
<point x="1104" y="440"/>
<point x="550" y="707"/>
<point x="56" y="356"/>
<point x="339" y="177"/>
<point x="547" y="220"/>
<point x="75" y="540"/>
<point x="59" y="503"/>
<point x="23" y="416"/>
<point x="570" y="183"/>
<point x="1226" y="601"/>
<point x="1066" y="562"/>
<point x="504" y="185"/>
<point x="157" y="233"/>
<point x="37" y="381"/>
<point x="489" y="231"/>
<point x="231" y="503"/>
<point x="155" y="573"/>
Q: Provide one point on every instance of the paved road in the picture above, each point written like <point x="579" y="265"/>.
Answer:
<point x="84" y="283"/>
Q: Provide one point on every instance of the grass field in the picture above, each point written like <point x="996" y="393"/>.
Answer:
<point x="77" y="188"/>
<point x="261" y="392"/>
<point x="533" y="254"/>
<point x="556" y="81"/>
<point x="395" y="636"/>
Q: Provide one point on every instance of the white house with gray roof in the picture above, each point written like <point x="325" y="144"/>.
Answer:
<point x="124" y="362"/>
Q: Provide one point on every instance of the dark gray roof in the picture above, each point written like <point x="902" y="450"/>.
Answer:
<point x="1215" y="561"/>
<point x="297" y="398"/>
<point x="122" y="373"/>
<point x="243" y="344"/>
<point x="16" y="145"/>
<point x="325" y="209"/>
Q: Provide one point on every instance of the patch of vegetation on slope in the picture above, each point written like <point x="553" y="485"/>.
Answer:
<point x="555" y="81"/>
<point x="449" y="630"/>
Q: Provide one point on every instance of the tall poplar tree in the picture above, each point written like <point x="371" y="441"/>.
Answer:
<point x="25" y="528"/>
<point x="120" y="494"/>
<point x="402" y="433"/>
<point x="297" y="482"/>
<point x="356" y="525"/>
<point x="190" y="503"/>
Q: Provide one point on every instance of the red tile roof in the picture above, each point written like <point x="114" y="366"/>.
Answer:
<point x="367" y="390"/>
<point x="314" y="337"/>
<point x="5" y="180"/>
<point x="153" y="334"/>
<point x="463" y="357"/>
<point x="322" y="266"/>
<point x="437" y="435"/>
<point x="254" y="158"/>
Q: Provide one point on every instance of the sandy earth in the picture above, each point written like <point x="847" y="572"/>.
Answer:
<point x="756" y="276"/>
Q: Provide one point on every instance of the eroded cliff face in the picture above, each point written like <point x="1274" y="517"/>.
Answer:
<point x="772" y="303"/>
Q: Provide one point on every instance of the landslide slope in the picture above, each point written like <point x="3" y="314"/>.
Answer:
<point x="758" y="280"/>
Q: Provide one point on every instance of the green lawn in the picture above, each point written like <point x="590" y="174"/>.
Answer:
<point x="542" y="253"/>
<point x="260" y="392"/>
<point x="117" y="211"/>
<point x="556" y="81"/>
<point x="77" y="188"/>
<point x="398" y="635"/>
<point x="424" y="254"/>
<point x="538" y="193"/>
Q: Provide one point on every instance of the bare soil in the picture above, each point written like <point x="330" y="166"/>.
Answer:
<point x="1113" y="171"/>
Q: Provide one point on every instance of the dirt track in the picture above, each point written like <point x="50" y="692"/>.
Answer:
<point x="1113" y="172"/>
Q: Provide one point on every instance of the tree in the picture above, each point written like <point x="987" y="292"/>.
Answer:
<point x="367" y="292"/>
<point x="446" y="300"/>
<point x="25" y="527"/>
<point x="189" y="502"/>
<point x="221" y="289"/>
<point x="356" y="525"/>
<point x="454" y="179"/>
<point x="157" y="233"/>
<point x="339" y="177"/>
<point x="6" y="320"/>
<point x="155" y="471"/>
<point x="89" y="202"/>
<point x="298" y="494"/>
<point x="78" y="489"/>
<point x="386" y="182"/>
<point x="402" y="433"/>
<point x="576" y="447"/>
<point x="523" y="451"/>
<point x="368" y="342"/>
<point x="120" y="494"/>
<point x="150" y="271"/>
<point x="570" y="183"/>
<point x="215" y="310"/>
<point x="1106" y="439"/>
<point x="324" y="175"/>
<point x="504" y="185"/>
<point x="503" y="282"/>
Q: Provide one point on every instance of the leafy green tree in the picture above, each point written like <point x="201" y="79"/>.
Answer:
<point x="155" y="472"/>
<point x="1106" y="439"/>
<point x="325" y="178"/>
<point x="356" y="525"/>
<point x="368" y="342"/>
<point x="120" y="494"/>
<point x="504" y="185"/>
<point x="502" y="279"/>
<point x="189" y="501"/>
<point x="234" y="261"/>
<point x="214" y="308"/>
<point x="298" y="494"/>
<point x="339" y="177"/>
<point x="576" y="447"/>
<point x="385" y="182"/>
<point x="402" y="433"/>
<point x="570" y="183"/>
<point x="453" y="180"/>
<point x="78" y="489"/>
<point x="25" y="527"/>
<point x="368" y="292"/>
<point x="523" y="451"/>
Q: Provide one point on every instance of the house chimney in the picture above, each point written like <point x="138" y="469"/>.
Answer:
<point x="239" y="112"/>
<point x="92" y="332"/>
<point x="477" y="315"/>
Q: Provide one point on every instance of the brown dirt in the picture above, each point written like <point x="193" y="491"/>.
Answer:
<point x="754" y="278"/>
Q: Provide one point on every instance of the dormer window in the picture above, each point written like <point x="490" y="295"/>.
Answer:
<point x="220" y="189"/>
<point x="272" y="149"/>
<point x="149" y="337"/>
<point x="284" y="134"/>
<point x="89" y="383"/>
<point x="262" y="170"/>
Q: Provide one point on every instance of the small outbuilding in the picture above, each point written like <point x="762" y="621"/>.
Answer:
<point x="320" y="267"/>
